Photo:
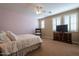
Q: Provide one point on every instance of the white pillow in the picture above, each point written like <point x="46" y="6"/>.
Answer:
<point x="11" y="35"/>
<point x="4" y="37"/>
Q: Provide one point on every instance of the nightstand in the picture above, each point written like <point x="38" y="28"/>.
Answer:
<point x="38" y="32"/>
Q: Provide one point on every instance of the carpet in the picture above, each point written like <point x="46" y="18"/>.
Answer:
<point x="56" y="48"/>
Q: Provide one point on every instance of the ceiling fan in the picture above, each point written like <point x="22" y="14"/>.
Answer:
<point x="40" y="10"/>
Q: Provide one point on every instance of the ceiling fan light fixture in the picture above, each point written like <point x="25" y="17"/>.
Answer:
<point x="38" y="10"/>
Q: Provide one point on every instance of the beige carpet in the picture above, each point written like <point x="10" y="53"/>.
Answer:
<point x="56" y="48"/>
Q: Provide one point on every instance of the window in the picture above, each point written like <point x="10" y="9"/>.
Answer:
<point x="42" y="24"/>
<point x="54" y="24"/>
<point x="56" y="21"/>
<point x="74" y="22"/>
<point x="66" y="21"/>
<point x="71" y="21"/>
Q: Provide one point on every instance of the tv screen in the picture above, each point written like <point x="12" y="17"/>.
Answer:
<point x="62" y="28"/>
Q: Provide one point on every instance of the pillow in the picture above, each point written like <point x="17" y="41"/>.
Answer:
<point x="4" y="37"/>
<point x="11" y="35"/>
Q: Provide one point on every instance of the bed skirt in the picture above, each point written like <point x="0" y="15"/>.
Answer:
<point x="25" y="51"/>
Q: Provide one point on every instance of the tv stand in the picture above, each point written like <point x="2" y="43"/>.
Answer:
<point x="63" y="36"/>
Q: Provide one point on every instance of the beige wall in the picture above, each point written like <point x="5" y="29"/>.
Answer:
<point x="47" y="31"/>
<point x="75" y="37"/>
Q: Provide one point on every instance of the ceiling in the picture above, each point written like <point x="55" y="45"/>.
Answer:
<point x="49" y="8"/>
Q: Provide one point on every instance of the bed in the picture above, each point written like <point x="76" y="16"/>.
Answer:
<point x="21" y="46"/>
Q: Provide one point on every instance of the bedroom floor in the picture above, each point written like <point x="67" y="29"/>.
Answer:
<point x="56" y="48"/>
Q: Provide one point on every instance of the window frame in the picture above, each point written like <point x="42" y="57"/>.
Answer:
<point x="42" y="24"/>
<point x="70" y="20"/>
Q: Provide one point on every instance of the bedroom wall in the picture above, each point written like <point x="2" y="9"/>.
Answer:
<point x="17" y="21"/>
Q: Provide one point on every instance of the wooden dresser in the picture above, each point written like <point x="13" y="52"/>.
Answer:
<point x="63" y="36"/>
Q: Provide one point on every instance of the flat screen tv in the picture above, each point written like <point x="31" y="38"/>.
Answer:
<point x="62" y="28"/>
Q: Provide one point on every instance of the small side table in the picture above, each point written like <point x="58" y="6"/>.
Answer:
<point x="38" y="32"/>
